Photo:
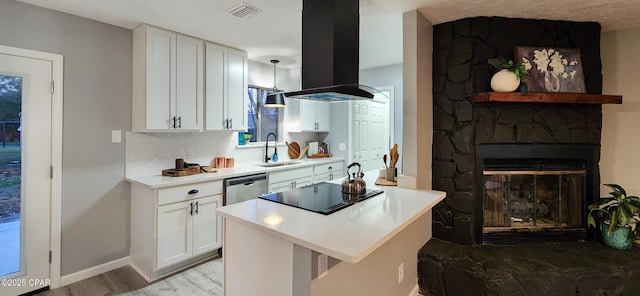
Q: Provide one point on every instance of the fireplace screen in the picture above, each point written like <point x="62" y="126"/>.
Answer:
<point x="533" y="200"/>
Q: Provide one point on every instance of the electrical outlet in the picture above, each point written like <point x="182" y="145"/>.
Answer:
<point x="189" y="153"/>
<point x="323" y="265"/>
<point x="401" y="272"/>
<point x="342" y="146"/>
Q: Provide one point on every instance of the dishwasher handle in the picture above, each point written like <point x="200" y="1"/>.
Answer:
<point x="245" y="179"/>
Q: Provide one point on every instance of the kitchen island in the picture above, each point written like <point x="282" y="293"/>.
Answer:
<point x="372" y="246"/>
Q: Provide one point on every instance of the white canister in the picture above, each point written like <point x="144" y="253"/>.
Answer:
<point x="504" y="81"/>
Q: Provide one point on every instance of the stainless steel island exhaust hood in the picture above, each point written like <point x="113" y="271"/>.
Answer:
<point x="330" y="52"/>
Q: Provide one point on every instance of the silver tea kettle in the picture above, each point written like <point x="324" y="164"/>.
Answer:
<point x="353" y="185"/>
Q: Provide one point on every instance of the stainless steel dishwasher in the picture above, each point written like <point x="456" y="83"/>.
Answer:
<point x="244" y="188"/>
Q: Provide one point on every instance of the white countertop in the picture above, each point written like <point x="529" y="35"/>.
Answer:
<point x="350" y="234"/>
<point x="159" y="181"/>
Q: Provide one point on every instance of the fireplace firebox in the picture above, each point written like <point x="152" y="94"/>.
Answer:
<point x="533" y="192"/>
<point x="530" y="195"/>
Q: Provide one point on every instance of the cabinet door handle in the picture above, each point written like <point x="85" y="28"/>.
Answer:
<point x="226" y="123"/>
<point x="193" y="191"/>
<point x="197" y="206"/>
<point x="330" y="176"/>
<point x="330" y="168"/>
<point x="179" y="121"/>
<point x="174" y="122"/>
<point x="231" y="123"/>
<point x="191" y="209"/>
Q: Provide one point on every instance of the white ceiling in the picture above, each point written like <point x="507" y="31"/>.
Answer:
<point x="276" y="31"/>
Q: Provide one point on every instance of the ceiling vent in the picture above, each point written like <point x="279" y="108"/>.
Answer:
<point x="243" y="10"/>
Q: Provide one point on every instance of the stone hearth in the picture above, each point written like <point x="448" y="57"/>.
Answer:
<point x="577" y="268"/>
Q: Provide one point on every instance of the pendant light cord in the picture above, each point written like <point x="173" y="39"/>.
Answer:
<point x="275" y="89"/>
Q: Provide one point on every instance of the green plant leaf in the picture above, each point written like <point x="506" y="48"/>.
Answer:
<point x="591" y="221"/>
<point x="617" y="192"/>
<point x="613" y="223"/>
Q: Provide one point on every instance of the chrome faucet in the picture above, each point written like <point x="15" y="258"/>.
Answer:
<point x="275" y="148"/>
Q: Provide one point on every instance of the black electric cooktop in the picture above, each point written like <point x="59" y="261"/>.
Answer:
<point x="323" y="198"/>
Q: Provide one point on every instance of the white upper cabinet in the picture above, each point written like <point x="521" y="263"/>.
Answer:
<point x="307" y="115"/>
<point x="168" y="81"/>
<point x="189" y="83"/>
<point x="226" y="88"/>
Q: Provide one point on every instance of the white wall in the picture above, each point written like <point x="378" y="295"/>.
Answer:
<point x="97" y="99"/>
<point x="620" y="158"/>
<point x="261" y="74"/>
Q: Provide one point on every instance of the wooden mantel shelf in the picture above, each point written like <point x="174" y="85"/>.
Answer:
<point x="535" y="97"/>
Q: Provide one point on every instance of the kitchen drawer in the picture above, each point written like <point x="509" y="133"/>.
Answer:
<point x="328" y="167"/>
<point x="290" y="174"/>
<point x="181" y="193"/>
<point x="290" y="184"/>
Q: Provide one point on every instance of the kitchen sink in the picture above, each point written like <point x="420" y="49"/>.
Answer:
<point x="278" y="164"/>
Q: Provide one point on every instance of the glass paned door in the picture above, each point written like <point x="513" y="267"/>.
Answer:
<point x="10" y="173"/>
<point x="25" y="166"/>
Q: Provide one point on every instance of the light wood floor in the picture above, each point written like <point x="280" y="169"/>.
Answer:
<point x="204" y="279"/>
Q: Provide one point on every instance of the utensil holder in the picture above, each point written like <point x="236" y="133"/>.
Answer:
<point x="391" y="174"/>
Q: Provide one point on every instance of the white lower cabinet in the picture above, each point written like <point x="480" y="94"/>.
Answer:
<point x="188" y="229"/>
<point x="327" y="172"/>
<point x="293" y="178"/>
<point x="288" y="179"/>
<point x="175" y="227"/>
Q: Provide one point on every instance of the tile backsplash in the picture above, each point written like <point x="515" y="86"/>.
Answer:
<point x="150" y="153"/>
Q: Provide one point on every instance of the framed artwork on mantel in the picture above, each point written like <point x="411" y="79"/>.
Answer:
<point x="552" y="69"/>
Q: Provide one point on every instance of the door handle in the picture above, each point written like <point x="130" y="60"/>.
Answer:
<point x="197" y="206"/>
<point x="193" y="191"/>
<point x="191" y="209"/>
<point x="174" y="121"/>
<point x="231" y="123"/>
<point x="179" y="121"/>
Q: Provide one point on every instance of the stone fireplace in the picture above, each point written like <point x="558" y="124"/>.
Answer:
<point x="467" y="132"/>
<point x="516" y="172"/>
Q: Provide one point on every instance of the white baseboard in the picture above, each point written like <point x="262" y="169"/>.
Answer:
<point x="93" y="271"/>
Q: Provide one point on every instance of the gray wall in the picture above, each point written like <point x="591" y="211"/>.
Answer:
<point x="97" y="99"/>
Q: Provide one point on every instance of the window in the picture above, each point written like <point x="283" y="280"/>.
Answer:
<point x="262" y="120"/>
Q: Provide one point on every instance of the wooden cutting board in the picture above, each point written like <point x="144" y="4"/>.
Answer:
<point x="192" y="170"/>
<point x="384" y="182"/>
<point x="294" y="149"/>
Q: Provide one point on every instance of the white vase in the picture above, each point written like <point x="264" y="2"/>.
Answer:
<point x="551" y="81"/>
<point x="504" y="81"/>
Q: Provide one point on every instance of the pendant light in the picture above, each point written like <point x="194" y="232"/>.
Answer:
<point x="275" y="98"/>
